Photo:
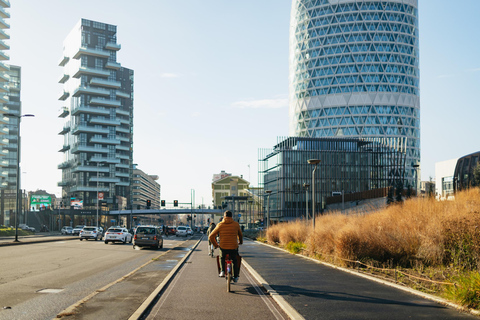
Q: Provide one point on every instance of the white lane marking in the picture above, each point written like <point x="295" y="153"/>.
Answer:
<point x="269" y="304"/>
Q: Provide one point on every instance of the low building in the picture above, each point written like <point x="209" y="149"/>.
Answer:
<point x="347" y="166"/>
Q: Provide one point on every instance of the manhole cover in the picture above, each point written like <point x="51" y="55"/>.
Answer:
<point x="49" y="290"/>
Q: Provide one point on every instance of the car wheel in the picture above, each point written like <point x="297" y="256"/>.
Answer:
<point x="81" y="239"/>
<point x="124" y="240"/>
<point x="131" y="239"/>
<point x="161" y="246"/>
<point x="106" y="242"/>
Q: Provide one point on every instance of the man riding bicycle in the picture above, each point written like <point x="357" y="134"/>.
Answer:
<point x="230" y="237"/>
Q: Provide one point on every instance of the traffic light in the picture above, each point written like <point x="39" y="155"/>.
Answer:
<point x="175" y="203"/>
<point x="163" y="203"/>
<point x="149" y="203"/>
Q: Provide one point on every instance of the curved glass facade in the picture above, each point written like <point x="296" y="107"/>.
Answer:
<point x="354" y="71"/>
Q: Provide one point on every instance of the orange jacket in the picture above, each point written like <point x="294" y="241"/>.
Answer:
<point x="229" y="231"/>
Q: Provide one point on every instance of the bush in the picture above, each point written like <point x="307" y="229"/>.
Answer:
<point x="295" y="247"/>
<point x="467" y="290"/>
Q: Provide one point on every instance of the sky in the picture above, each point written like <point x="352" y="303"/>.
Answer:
<point x="211" y="84"/>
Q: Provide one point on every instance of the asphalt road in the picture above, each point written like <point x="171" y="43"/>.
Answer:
<point x="72" y="269"/>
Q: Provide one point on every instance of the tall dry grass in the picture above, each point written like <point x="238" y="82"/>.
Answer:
<point x="419" y="231"/>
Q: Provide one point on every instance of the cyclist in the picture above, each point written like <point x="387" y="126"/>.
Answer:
<point x="210" y="244"/>
<point x="230" y="237"/>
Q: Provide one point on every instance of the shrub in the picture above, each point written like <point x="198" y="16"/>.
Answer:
<point x="295" y="247"/>
<point x="467" y="290"/>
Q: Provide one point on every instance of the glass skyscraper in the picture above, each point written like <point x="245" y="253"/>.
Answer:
<point x="97" y="108"/>
<point x="354" y="72"/>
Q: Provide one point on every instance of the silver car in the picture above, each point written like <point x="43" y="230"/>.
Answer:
<point x="67" y="230"/>
<point x="90" y="233"/>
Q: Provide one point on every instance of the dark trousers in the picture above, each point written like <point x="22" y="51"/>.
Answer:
<point x="233" y="256"/>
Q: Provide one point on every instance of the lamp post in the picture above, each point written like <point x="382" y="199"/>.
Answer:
<point x="17" y="207"/>
<point x="249" y="225"/>
<point x="98" y="171"/>
<point x="314" y="162"/>
<point x="268" y="192"/>
<point x="306" y="185"/>
<point x="133" y="167"/>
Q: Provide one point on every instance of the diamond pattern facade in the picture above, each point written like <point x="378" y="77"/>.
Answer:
<point x="354" y="71"/>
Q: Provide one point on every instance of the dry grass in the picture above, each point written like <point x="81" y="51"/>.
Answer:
<point x="421" y="232"/>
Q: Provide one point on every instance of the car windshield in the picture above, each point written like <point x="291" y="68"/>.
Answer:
<point x="89" y="229"/>
<point x="181" y="228"/>
<point x="115" y="230"/>
<point x="146" y="230"/>
<point x="69" y="228"/>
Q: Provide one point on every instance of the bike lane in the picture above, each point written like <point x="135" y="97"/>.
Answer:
<point x="318" y="291"/>
<point x="197" y="292"/>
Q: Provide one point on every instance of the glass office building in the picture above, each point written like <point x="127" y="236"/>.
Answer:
<point x="354" y="71"/>
<point x="348" y="166"/>
<point x="97" y="108"/>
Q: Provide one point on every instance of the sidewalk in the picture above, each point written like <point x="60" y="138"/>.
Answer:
<point x="319" y="291"/>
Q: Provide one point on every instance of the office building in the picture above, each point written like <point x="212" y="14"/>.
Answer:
<point x="357" y="168"/>
<point x="145" y="187"/>
<point x="354" y="71"/>
<point x="97" y="108"/>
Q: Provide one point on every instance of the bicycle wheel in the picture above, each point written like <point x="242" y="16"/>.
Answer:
<point x="229" y="280"/>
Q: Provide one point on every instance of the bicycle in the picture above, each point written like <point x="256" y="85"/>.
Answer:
<point x="229" y="268"/>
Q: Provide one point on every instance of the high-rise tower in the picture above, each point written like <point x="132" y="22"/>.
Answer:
<point x="354" y="71"/>
<point x="97" y="108"/>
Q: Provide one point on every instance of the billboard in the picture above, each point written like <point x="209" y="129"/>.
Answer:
<point x="40" y="202"/>
<point x="76" y="204"/>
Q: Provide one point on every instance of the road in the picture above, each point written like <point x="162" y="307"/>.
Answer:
<point x="69" y="270"/>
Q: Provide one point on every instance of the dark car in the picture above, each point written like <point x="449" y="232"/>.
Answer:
<point x="171" y="231"/>
<point x="148" y="236"/>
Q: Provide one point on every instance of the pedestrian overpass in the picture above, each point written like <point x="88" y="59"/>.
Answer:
<point x="164" y="211"/>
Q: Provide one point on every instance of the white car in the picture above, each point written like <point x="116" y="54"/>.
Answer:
<point x="67" y="230"/>
<point x="189" y="232"/>
<point x="90" y="233"/>
<point x="181" y="231"/>
<point x="77" y="229"/>
<point x="117" y="234"/>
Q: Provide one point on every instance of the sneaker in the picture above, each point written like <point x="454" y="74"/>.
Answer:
<point x="235" y="279"/>
<point x="222" y="274"/>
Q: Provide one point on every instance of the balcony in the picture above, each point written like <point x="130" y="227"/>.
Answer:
<point x="91" y="52"/>
<point x="4" y="14"/>
<point x="113" y="46"/>
<point x="91" y="169"/>
<point x="4" y="46"/>
<point x="4" y="56"/>
<point x="124" y="130"/>
<point x="63" y="78"/>
<point x="103" y="121"/>
<point x="92" y="72"/>
<point x="105" y="83"/>
<point x="65" y="165"/>
<point x="63" y="61"/>
<point x="122" y="94"/>
<point x="113" y="65"/>
<point x="92" y="110"/>
<point x="77" y="149"/>
<point x="4" y="77"/>
<point x="122" y="174"/>
<point x="125" y="122"/>
<point x="89" y="189"/>
<point x="63" y="184"/>
<point x="123" y="165"/>
<point x="4" y="99"/>
<point x="123" y="156"/>
<point x="123" y="148"/>
<point x="64" y="96"/>
<point x="64" y="148"/>
<point x="104" y="141"/>
<point x="91" y="91"/>
<point x="4" y="35"/>
<point x="5" y="3"/>
<point x="104" y="179"/>
<point x="123" y="112"/>
<point x="4" y="67"/>
<point x="65" y="130"/>
<point x="124" y="139"/>
<point x="88" y="129"/>
<point x="106" y="160"/>
<point x="64" y="112"/>
<point x="4" y="24"/>
<point x="106" y="102"/>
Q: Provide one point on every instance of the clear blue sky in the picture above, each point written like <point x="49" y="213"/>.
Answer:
<point x="211" y="84"/>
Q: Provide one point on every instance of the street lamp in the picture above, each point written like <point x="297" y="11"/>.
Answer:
<point x="98" y="178"/>
<point x="416" y="178"/>
<point x="314" y="162"/>
<point x="268" y="192"/>
<point x="306" y="185"/>
<point x="18" y="168"/>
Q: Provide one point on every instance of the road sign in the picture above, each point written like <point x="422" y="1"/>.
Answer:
<point x="100" y="196"/>
<point x="239" y="215"/>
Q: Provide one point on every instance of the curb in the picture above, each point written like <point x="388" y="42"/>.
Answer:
<point x="13" y="243"/>
<point x="388" y="283"/>
<point x="146" y="304"/>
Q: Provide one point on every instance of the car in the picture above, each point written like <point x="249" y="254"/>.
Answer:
<point x="90" y="233"/>
<point x="181" y="231"/>
<point x="77" y="229"/>
<point x="25" y="227"/>
<point x="117" y="234"/>
<point x="170" y="230"/>
<point x="148" y="236"/>
<point x="189" y="232"/>
<point x="67" y="230"/>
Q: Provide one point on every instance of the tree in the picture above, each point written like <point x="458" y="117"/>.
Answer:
<point x="390" y="196"/>
<point x="399" y="191"/>
<point x="409" y="191"/>
<point x="476" y="174"/>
